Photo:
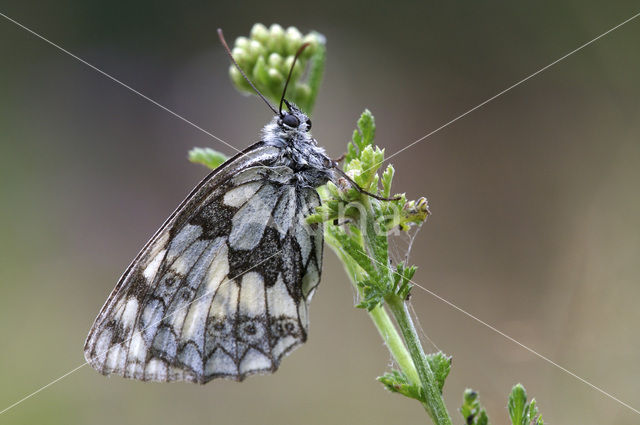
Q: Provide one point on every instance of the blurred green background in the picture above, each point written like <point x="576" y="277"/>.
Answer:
<point x="534" y="198"/>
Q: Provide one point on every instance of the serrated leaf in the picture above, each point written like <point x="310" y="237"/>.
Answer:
<point x="387" y="178"/>
<point x="482" y="418"/>
<point x="367" y="127"/>
<point x="315" y="218"/>
<point x="471" y="409"/>
<point x="372" y="295"/>
<point x="409" y="272"/>
<point x="440" y="364"/>
<point x="357" y="140"/>
<point x="333" y="189"/>
<point x="521" y="412"/>
<point x="397" y="382"/>
<point x="355" y="252"/>
<point x="517" y="405"/>
<point x="352" y="152"/>
<point x="207" y="157"/>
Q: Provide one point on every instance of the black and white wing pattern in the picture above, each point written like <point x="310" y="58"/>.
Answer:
<point x="222" y="289"/>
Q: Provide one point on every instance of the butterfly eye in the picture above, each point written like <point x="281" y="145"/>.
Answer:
<point x="291" y="120"/>
<point x="308" y="125"/>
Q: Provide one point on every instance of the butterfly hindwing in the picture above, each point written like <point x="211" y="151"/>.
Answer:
<point x="222" y="289"/>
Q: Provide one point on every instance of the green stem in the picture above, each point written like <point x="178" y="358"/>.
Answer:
<point x="394" y="343"/>
<point x="434" y="403"/>
<point x="379" y="316"/>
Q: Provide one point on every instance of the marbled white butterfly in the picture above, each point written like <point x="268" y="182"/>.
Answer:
<point x="223" y="287"/>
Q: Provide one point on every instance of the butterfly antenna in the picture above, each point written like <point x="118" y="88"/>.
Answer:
<point x="226" y="47"/>
<point x="295" y="58"/>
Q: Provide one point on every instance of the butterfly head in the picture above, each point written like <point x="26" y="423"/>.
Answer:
<point x="294" y="119"/>
<point x="289" y="128"/>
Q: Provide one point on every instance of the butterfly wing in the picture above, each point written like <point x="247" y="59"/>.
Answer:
<point x="222" y="289"/>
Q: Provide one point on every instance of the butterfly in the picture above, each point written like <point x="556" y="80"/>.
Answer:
<point x="222" y="289"/>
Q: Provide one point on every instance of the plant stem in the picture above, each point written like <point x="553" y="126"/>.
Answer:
<point x="394" y="343"/>
<point x="434" y="403"/>
<point x="379" y="316"/>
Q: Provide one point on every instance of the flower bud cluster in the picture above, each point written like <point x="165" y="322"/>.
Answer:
<point x="266" y="57"/>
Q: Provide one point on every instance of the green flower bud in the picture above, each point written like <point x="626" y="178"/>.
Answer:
<point x="275" y="75"/>
<point x="255" y="49"/>
<point x="293" y="40"/>
<point x="260" y="74"/>
<point x="315" y="40"/>
<point x="302" y="92"/>
<point x="242" y="42"/>
<point x="238" y="79"/>
<point x="276" y="41"/>
<point x="267" y="55"/>
<point x="260" y="33"/>
<point x="238" y="52"/>
<point x="275" y="60"/>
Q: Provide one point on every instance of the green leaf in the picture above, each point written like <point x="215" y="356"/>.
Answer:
<point x="367" y="127"/>
<point x="397" y="382"/>
<point x="387" y="178"/>
<point x="517" y="404"/>
<point x="352" y="151"/>
<point x="471" y="409"/>
<point x="354" y="250"/>
<point x="373" y="295"/>
<point x="402" y="280"/>
<point x="521" y="412"/>
<point x="482" y="418"/>
<point x="440" y="364"/>
<point x="207" y="157"/>
<point x="362" y="137"/>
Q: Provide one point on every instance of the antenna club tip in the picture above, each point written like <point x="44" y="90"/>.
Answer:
<point x="302" y="47"/>
<point x="224" y="42"/>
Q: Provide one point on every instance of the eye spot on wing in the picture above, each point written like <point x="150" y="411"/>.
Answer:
<point x="253" y="331"/>
<point x="284" y="326"/>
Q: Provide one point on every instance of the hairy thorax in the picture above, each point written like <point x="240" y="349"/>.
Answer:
<point x="300" y="152"/>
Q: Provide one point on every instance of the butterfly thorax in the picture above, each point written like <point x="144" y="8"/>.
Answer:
<point x="299" y="150"/>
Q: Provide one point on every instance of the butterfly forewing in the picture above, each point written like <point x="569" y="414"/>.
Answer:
<point x="222" y="289"/>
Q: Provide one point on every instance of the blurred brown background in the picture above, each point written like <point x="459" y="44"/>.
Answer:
<point x="534" y="198"/>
